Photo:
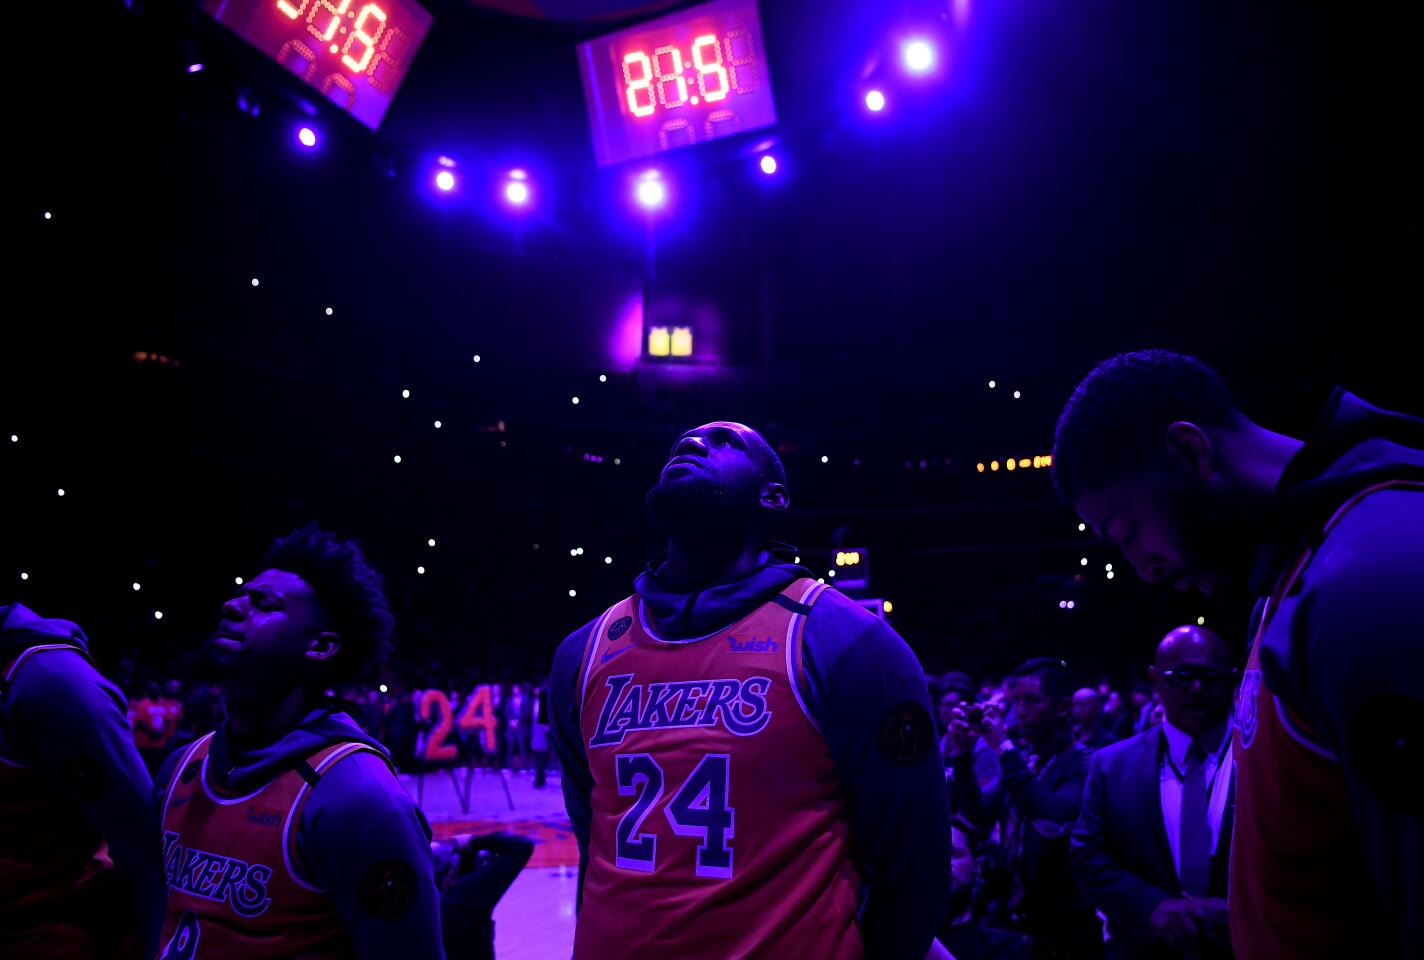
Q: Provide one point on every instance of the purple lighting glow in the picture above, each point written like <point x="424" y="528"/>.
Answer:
<point x="307" y="137"/>
<point x="651" y="192"/>
<point x="195" y="68"/>
<point x="918" y="55"/>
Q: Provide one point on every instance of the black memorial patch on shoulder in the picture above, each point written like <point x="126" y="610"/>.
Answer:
<point x="387" y="889"/>
<point x="619" y="627"/>
<point x="906" y="733"/>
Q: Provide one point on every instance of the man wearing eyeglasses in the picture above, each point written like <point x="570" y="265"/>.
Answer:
<point x="1151" y="846"/>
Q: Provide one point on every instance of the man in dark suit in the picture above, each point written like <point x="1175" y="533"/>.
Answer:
<point x="1152" y="842"/>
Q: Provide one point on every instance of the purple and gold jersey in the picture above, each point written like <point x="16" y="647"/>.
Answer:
<point x="719" y="828"/>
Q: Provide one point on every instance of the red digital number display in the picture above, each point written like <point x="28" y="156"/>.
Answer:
<point x="353" y="53"/>
<point x="682" y="79"/>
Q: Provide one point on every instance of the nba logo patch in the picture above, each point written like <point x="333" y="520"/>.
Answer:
<point x="1246" y="700"/>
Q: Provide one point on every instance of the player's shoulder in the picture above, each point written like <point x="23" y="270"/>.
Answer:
<point x="62" y="678"/>
<point x="834" y="612"/>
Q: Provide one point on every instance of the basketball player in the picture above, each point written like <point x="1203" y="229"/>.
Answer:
<point x="1329" y="533"/>
<point x="749" y="761"/>
<point x="80" y="875"/>
<point x="285" y="832"/>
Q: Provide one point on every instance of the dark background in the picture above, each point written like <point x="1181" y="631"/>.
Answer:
<point x="1235" y="180"/>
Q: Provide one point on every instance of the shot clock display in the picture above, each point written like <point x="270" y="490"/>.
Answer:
<point x="693" y="76"/>
<point x="352" y="52"/>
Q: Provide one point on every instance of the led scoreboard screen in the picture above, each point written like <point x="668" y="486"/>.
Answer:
<point x="693" y="76"/>
<point x="353" y="53"/>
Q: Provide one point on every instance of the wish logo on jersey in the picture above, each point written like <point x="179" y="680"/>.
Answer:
<point x="740" y="705"/>
<point x="215" y="877"/>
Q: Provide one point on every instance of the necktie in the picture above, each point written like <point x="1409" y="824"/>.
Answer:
<point x="1195" y="869"/>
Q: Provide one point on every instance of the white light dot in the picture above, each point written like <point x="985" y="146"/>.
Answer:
<point x="477" y="358"/>
<point x="875" y="100"/>
<point x="1017" y="394"/>
<point x="14" y="438"/>
<point x="1062" y="604"/>
<point x="992" y="384"/>
<point x="329" y="311"/>
<point x="255" y="281"/>
<point x="573" y="593"/>
<point x="603" y="378"/>
<point x="798" y="559"/>
<point x="1070" y="604"/>
<point x="405" y="394"/>
<point x="575" y="401"/>
<point x="237" y="580"/>
<point x="397" y="458"/>
<point x="1109" y="568"/>
<point x="617" y="462"/>
<point x="158" y="614"/>
<point x="437" y="424"/>
<point x="607" y="559"/>
<point x="137" y="585"/>
<point x="573" y="552"/>
<point x="580" y="551"/>
<point x="419" y="569"/>
<point x="61" y="491"/>
<point x="24" y="576"/>
<point x="830" y="573"/>
<point x="1082" y="527"/>
<point x="1110" y="574"/>
<point x="820" y="579"/>
<point x="1084" y="561"/>
<point x="431" y="541"/>
<point x="47" y="215"/>
<point x="384" y="689"/>
<point x="825" y="459"/>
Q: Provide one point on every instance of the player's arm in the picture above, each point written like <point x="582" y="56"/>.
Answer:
<point x="866" y="691"/>
<point x="363" y="841"/>
<point x="1363" y="611"/>
<point x="1103" y="882"/>
<point x="567" y="740"/>
<point x="66" y="718"/>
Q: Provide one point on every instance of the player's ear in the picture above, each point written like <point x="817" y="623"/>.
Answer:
<point x="324" y="646"/>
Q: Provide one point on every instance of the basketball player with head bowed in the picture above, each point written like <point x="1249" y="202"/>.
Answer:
<point x="1327" y="855"/>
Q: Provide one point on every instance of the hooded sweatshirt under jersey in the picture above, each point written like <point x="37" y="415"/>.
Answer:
<point x="357" y="817"/>
<point x="1346" y="652"/>
<point x="858" y="672"/>
<point x="59" y="716"/>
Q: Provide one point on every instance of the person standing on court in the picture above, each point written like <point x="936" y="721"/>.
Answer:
<point x="749" y="762"/>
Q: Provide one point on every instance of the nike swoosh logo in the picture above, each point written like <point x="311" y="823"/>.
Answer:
<point x="610" y="656"/>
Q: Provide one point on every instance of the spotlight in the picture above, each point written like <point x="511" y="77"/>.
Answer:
<point x="239" y="581"/>
<point x="385" y="689"/>
<point x="195" y="68"/>
<point x="445" y="180"/>
<point x="875" y="101"/>
<point x="431" y="541"/>
<point x="307" y="137"/>
<point x="516" y="192"/>
<point x="420" y="570"/>
<point x="768" y="164"/>
<point x="158" y="614"/>
<point x="919" y="56"/>
<point x="651" y="191"/>
<point x="137" y="585"/>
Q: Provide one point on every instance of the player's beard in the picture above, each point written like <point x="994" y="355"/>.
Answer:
<point x="1216" y="539"/>
<point x="700" y="509"/>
